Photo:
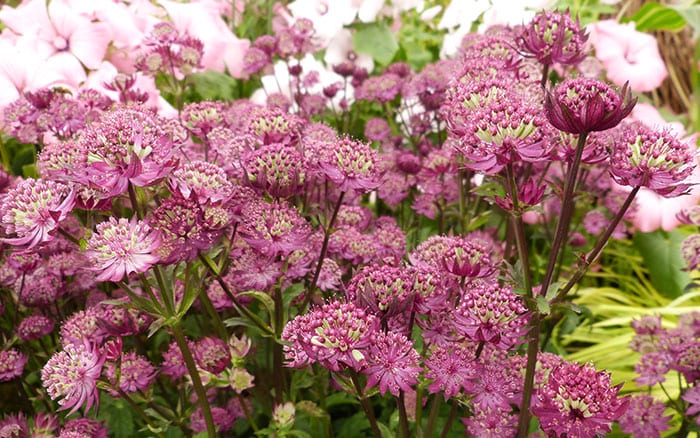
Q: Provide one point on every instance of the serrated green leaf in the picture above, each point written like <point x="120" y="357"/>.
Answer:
<point x="655" y="16"/>
<point x="376" y="40"/>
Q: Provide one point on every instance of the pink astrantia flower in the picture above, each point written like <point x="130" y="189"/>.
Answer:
<point x="212" y="354"/>
<point x="645" y="417"/>
<point x="33" y="209"/>
<point x="350" y="164"/>
<point x="71" y="375"/>
<point x="692" y="396"/>
<point x="553" y="37"/>
<point x="335" y="335"/>
<point x="392" y="363"/>
<point x="135" y="372"/>
<point x="120" y="247"/>
<point x="577" y="400"/>
<point x="11" y="364"/>
<point x="628" y="55"/>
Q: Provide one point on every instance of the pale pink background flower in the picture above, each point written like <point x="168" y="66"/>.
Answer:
<point x="628" y="55"/>
<point x="222" y="49"/>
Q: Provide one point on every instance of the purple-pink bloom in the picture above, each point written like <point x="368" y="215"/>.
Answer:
<point x="336" y="335"/>
<point x="644" y="417"/>
<point x="578" y="401"/>
<point x="488" y="422"/>
<point x="34" y="327"/>
<point x="71" y="375"/>
<point x="692" y="396"/>
<point x="392" y="363"/>
<point x="212" y="354"/>
<point x="135" y="372"/>
<point x="33" y="210"/>
<point x="658" y="160"/>
<point x="553" y="37"/>
<point x="582" y="105"/>
<point x="11" y="364"/>
<point x="274" y="228"/>
<point x="120" y="247"/>
<point x="452" y="369"/>
<point x="350" y="164"/>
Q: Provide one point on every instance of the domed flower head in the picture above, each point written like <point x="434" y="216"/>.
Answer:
<point x="212" y="354"/>
<point x="553" y="37"/>
<point x="382" y="290"/>
<point x="578" y="401"/>
<point x="33" y="210"/>
<point x="491" y="314"/>
<point x="465" y="258"/>
<point x="452" y="369"/>
<point x="276" y="168"/>
<point x="392" y="363"/>
<point x="582" y="105"/>
<point x="135" y="372"/>
<point x="643" y="157"/>
<point x="205" y="182"/>
<point x="504" y="131"/>
<point x="128" y="145"/>
<point x="644" y="417"/>
<point x="274" y="228"/>
<point x="183" y="229"/>
<point x="120" y="247"/>
<point x="12" y="364"/>
<point x="350" y="164"/>
<point x="71" y="375"/>
<point x="34" y="327"/>
<point x="272" y="125"/>
<point x="335" y="335"/>
<point x="14" y="425"/>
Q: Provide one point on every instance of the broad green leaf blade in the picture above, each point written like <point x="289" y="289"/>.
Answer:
<point x="661" y="253"/>
<point x="655" y="16"/>
<point x="376" y="40"/>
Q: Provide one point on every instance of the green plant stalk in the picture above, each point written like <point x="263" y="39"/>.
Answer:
<point x="206" y="302"/>
<point x="403" y="417"/>
<point x="196" y="380"/>
<point x="366" y="405"/>
<point x="545" y="76"/>
<point x="598" y="248"/>
<point x="432" y="416"/>
<point x="533" y="347"/>
<point x="133" y="197"/>
<point x="322" y="255"/>
<point x="450" y="418"/>
<point x="138" y="409"/>
<point x="239" y="307"/>
<point x="247" y="413"/>
<point x="519" y="232"/>
<point x="278" y="375"/>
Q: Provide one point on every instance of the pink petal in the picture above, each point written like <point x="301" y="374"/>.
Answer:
<point x="28" y="18"/>
<point x="89" y="43"/>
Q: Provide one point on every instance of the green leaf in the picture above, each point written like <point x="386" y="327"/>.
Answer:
<point x="376" y="40"/>
<point x="264" y="298"/>
<point x="661" y="253"/>
<point x="212" y="85"/>
<point x="542" y="305"/>
<point x="655" y="16"/>
<point x="691" y="14"/>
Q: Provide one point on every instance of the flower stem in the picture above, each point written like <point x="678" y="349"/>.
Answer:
<point x="196" y="380"/>
<point x="432" y="416"/>
<point x="366" y="405"/>
<point x="239" y="307"/>
<point x="138" y="410"/>
<point x="533" y="347"/>
<point x="450" y="418"/>
<point x="322" y="255"/>
<point x="519" y="232"/>
<point x="595" y="252"/>
<point x="403" y="417"/>
<point x="133" y="197"/>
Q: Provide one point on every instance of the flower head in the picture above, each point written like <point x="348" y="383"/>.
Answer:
<point x="71" y="375"/>
<point x="34" y="327"/>
<point x="33" y="210"/>
<point x="212" y="354"/>
<point x="274" y="228"/>
<point x="350" y="164"/>
<point x="392" y="363"/>
<point x="276" y="168"/>
<point x="451" y="368"/>
<point x="205" y="182"/>
<point x="135" y="372"/>
<point x="644" y="417"/>
<point x="553" y="37"/>
<point x="120" y="247"/>
<point x="11" y="364"/>
<point x="643" y="157"/>
<point x="335" y="335"/>
<point x="577" y="400"/>
<point x="582" y="105"/>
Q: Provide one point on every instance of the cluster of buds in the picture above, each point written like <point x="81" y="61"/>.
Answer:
<point x="170" y="52"/>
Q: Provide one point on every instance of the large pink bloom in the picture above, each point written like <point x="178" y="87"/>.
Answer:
<point x="628" y="55"/>
<point x="222" y="50"/>
<point x="59" y="30"/>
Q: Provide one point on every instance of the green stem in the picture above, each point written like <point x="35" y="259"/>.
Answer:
<point x="403" y="417"/>
<point x="196" y="379"/>
<point x="239" y="307"/>
<point x="450" y="418"/>
<point x="366" y="405"/>
<point x="533" y="347"/>
<point x="322" y="255"/>
<point x="519" y="232"/>
<point x="133" y="197"/>
<point x="432" y="416"/>
<point x="595" y="252"/>
<point x="247" y="413"/>
<point x="138" y="410"/>
<point x="278" y="375"/>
